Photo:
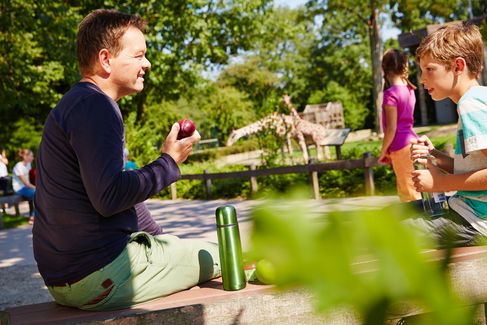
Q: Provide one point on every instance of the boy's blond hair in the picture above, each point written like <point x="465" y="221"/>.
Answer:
<point x="453" y="41"/>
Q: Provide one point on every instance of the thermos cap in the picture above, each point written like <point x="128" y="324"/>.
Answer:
<point x="226" y="215"/>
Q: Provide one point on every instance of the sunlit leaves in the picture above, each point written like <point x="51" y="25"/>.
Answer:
<point x="366" y="260"/>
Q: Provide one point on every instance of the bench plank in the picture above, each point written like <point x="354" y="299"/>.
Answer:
<point x="51" y="313"/>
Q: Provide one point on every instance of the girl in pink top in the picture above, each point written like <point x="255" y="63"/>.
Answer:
<point x="397" y="120"/>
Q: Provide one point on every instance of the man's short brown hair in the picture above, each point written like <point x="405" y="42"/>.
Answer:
<point x="453" y="41"/>
<point x="102" y="29"/>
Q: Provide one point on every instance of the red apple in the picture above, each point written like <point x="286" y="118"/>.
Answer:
<point x="186" y="128"/>
<point x="32" y="176"/>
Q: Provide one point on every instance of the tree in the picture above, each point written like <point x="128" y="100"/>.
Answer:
<point x="253" y="79"/>
<point x="409" y="15"/>
<point x="184" y="36"/>
<point x="351" y="12"/>
<point x="341" y="56"/>
<point x="227" y="108"/>
<point x="38" y="61"/>
<point x="285" y="48"/>
<point x="36" y="46"/>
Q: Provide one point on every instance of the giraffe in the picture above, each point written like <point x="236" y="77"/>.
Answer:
<point x="313" y="131"/>
<point x="283" y="126"/>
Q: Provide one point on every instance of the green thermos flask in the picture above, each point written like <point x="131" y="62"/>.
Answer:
<point x="230" y="248"/>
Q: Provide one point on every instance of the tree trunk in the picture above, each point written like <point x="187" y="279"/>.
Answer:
<point x="376" y="56"/>
<point x="421" y="99"/>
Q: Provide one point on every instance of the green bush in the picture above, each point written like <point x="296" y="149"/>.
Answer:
<point x="221" y="188"/>
<point x="342" y="183"/>
<point x="280" y="183"/>
<point x="215" y="153"/>
<point x="354" y="110"/>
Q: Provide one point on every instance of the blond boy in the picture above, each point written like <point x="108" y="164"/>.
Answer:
<point x="451" y="60"/>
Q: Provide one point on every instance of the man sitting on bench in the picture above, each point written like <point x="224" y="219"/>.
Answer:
<point x="96" y="245"/>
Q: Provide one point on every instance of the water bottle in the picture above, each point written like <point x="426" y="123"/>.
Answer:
<point x="230" y="249"/>
<point x="435" y="203"/>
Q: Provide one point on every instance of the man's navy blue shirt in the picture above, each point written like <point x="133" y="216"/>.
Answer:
<point x="86" y="205"/>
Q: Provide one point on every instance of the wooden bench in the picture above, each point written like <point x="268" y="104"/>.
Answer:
<point x="13" y="200"/>
<point x="210" y="304"/>
<point x="188" y="300"/>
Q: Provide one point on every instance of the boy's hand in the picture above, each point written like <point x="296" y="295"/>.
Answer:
<point x="429" y="180"/>
<point x="420" y="148"/>
<point x="179" y="150"/>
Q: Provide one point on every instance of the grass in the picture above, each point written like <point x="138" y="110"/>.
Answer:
<point x="12" y="221"/>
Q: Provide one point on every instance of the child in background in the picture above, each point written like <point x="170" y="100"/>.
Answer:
<point x="4" y="180"/>
<point x="397" y="120"/>
<point x="127" y="163"/>
<point x="451" y="60"/>
<point x="20" y="180"/>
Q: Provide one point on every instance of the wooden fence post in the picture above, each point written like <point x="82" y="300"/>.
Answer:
<point x="174" y="191"/>
<point x="369" y="174"/>
<point x="254" y="187"/>
<point x="315" y="185"/>
<point x="207" y="184"/>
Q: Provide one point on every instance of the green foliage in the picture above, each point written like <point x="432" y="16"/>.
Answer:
<point x="285" y="48"/>
<point x="141" y="141"/>
<point x="483" y="29"/>
<point x="339" y="65"/>
<point x="354" y="110"/>
<point x="341" y="183"/>
<point x="323" y="255"/>
<point x="226" y="108"/>
<point x="216" y="153"/>
<point x="271" y="145"/>
<point x="37" y="39"/>
<point x="254" y="80"/>
<point x="385" y="180"/>
<point x="12" y="221"/>
<point x="38" y="62"/>
<point x="225" y="188"/>
<point x="185" y="35"/>
<point x="280" y="184"/>
<point x="26" y="134"/>
<point x="144" y="140"/>
<point x="409" y="15"/>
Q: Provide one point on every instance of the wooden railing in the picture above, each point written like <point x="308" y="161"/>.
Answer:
<point x="367" y="162"/>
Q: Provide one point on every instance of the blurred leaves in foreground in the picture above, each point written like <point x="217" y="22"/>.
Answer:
<point x="364" y="260"/>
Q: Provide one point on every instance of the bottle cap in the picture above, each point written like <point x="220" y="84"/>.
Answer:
<point x="226" y="215"/>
